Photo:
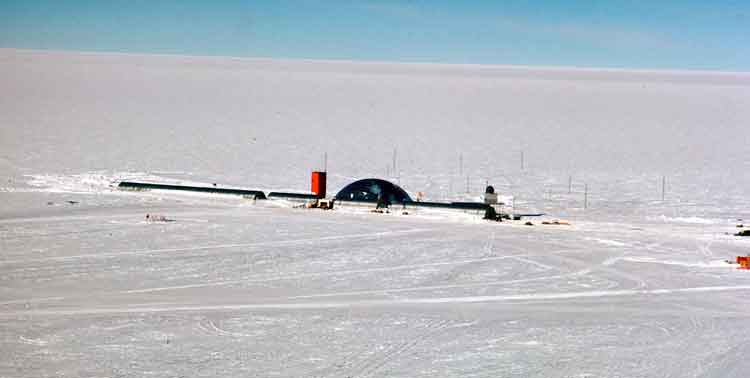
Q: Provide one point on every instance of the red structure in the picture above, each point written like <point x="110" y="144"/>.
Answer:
<point x="318" y="184"/>
<point x="744" y="262"/>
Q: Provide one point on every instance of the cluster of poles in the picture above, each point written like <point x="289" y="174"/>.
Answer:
<point x="394" y="168"/>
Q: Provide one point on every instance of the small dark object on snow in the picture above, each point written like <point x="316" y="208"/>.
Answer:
<point x="405" y="213"/>
<point x="157" y="218"/>
<point x="383" y="202"/>
<point x="491" y="214"/>
<point x="50" y="203"/>
<point x="325" y="204"/>
<point x="529" y="224"/>
<point x="740" y="225"/>
<point x="72" y="202"/>
<point x="556" y="222"/>
<point x="743" y="233"/>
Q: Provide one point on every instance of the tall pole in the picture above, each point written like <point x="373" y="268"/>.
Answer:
<point x="325" y="161"/>
<point x="585" y="196"/>
<point x="467" y="184"/>
<point x="663" y="187"/>
<point x="570" y="184"/>
<point x="522" y="165"/>
<point x="394" y="160"/>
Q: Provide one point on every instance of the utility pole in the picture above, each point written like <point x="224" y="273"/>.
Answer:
<point x="663" y="187"/>
<point x="522" y="163"/>
<point x="467" y="184"/>
<point x="325" y="161"/>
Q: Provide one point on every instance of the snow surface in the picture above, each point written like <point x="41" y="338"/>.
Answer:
<point x="634" y="287"/>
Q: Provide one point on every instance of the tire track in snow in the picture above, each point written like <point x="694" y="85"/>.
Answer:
<point x="731" y="362"/>
<point x="437" y="287"/>
<point x="605" y="267"/>
<point x="275" y="243"/>
<point x="32" y="300"/>
<point x="104" y="216"/>
<point x="532" y="262"/>
<point x="30" y="341"/>
<point x="376" y="363"/>
<point x="316" y="275"/>
<point x="60" y="233"/>
<point x="343" y="272"/>
<point x="720" y="264"/>
<point x="208" y="327"/>
<point x="146" y="308"/>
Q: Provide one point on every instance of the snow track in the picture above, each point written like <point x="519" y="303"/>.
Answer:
<point x="213" y="247"/>
<point x="144" y="308"/>
<point x="484" y="284"/>
<point x="319" y="274"/>
<point x="392" y="353"/>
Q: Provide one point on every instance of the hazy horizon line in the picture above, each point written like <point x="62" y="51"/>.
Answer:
<point x="528" y="67"/>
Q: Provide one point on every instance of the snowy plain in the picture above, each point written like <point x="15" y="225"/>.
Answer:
<point x="635" y="287"/>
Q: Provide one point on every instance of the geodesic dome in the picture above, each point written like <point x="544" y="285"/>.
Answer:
<point x="372" y="189"/>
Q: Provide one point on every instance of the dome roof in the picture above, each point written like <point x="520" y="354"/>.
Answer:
<point x="371" y="189"/>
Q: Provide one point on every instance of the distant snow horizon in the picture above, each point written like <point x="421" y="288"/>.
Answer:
<point x="406" y="63"/>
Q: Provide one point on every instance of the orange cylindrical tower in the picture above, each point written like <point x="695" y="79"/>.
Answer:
<point x="318" y="184"/>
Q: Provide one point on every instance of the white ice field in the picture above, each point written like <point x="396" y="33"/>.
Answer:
<point x="635" y="287"/>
